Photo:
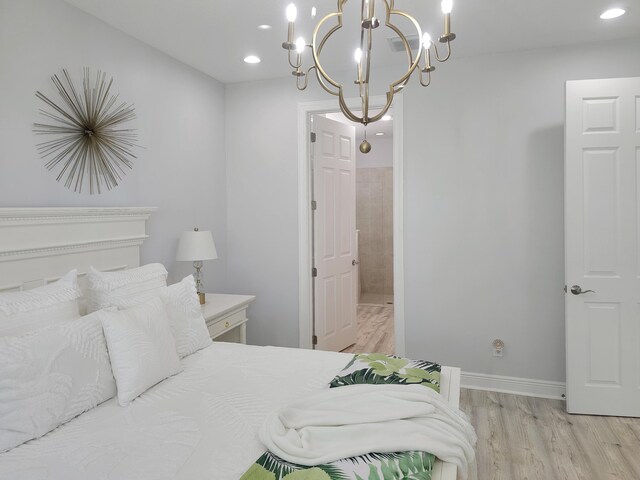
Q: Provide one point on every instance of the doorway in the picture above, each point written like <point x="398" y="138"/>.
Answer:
<point x="374" y="237"/>
<point x="381" y="294"/>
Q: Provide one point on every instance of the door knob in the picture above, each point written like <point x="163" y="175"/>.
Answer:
<point x="577" y="290"/>
<point x="354" y="262"/>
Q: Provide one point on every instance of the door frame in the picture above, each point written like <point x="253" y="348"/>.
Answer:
<point x="305" y="220"/>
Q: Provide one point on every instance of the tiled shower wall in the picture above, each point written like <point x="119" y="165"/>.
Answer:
<point x="374" y="219"/>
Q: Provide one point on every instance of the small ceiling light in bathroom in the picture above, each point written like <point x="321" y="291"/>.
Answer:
<point x="251" y="59"/>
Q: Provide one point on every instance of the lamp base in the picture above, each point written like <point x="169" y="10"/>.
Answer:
<point x="201" y="297"/>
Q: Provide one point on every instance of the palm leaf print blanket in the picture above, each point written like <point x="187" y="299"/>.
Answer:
<point x="365" y="369"/>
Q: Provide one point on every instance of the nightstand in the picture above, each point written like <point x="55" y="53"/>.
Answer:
<point x="226" y="316"/>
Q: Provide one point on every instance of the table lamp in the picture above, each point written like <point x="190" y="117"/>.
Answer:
<point x="196" y="246"/>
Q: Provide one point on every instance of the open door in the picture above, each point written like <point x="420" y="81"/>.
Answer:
<point x="335" y="282"/>
<point x="602" y="176"/>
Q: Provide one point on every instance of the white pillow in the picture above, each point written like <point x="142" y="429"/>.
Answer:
<point x="50" y="376"/>
<point x="188" y="326"/>
<point x="126" y="288"/>
<point x="141" y="348"/>
<point x="29" y="310"/>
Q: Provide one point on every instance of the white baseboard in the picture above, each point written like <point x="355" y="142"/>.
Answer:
<point x="514" y="385"/>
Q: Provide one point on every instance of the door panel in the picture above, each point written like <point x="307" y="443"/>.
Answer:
<point x="601" y="211"/>
<point x="335" y="299"/>
<point x="602" y="225"/>
<point x="603" y="323"/>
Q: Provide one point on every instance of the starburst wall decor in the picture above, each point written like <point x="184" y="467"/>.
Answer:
<point x="90" y="143"/>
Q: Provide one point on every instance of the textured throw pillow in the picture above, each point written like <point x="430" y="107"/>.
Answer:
<point x="29" y="310"/>
<point x="49" y="376"/>
<point x="126" y="288"/>
<point x="141" y="348"/>
<point x="185" y="316"/>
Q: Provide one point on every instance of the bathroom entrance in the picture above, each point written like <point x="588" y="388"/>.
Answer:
<point x="374" y="231"/>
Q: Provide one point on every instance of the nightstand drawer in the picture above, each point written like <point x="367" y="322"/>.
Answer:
<point x="221" y="325"/>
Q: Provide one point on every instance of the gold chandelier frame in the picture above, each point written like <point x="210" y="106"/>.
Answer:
<point x="369" y="22"/>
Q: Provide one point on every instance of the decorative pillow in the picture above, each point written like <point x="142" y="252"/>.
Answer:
<point x="126" y="288"/>
<point x="29" y="310"/>
<point x="378" y="368"/>
<point x="185" y="316"/>
<point x="49" y="376"/>
<point x="141" y="348"/>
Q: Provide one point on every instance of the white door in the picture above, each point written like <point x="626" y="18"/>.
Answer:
<point x="602" y="176"/>
<point x="334" y="188"/>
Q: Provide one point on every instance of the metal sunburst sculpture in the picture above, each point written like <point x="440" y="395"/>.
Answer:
<point x="89" y="141"/>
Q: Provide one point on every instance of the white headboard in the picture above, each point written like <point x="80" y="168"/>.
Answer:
<point x="39" y="245"/>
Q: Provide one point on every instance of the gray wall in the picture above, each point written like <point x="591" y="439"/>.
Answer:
<point x="483" y="196"/>
<point x="180" y="120"/>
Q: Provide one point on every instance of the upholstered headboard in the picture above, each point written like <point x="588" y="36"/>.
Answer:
<point x="39" y="245"/>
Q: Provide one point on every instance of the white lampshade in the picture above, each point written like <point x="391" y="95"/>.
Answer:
<point x="195" y="246"/>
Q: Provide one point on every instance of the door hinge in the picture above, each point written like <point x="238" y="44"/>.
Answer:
<point x="314" y="205"/>
<point x="313" y="137"/>
<point x="314" y="272"/>
<point x="314" y="340"/>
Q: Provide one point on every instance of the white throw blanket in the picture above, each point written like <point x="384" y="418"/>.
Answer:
<point x="358" y="419"/>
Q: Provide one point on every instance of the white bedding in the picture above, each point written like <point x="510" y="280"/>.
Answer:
<point x="200" y="424"/>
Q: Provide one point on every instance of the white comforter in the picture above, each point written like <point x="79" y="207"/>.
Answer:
<point x="201" y="424"/>
<point x="357" y="419"/>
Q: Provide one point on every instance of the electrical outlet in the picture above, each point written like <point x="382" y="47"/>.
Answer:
<point x="498" y="347"/>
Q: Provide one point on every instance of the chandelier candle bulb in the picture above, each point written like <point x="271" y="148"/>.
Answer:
<point x="447" y="6"/>
<point x="300" y="44"/>
<point x="291" y="13"/>
<point x="358" y="55"/>
<point x="426" y="40"/>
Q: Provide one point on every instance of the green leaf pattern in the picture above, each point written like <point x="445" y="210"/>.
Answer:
<point x="377" y="368"/>
<point x="373" y="369"/>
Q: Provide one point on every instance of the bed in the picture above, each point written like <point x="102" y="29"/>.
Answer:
<point x="199" y="424"/>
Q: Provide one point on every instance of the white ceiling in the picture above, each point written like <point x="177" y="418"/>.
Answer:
<point x="215" y="35"/>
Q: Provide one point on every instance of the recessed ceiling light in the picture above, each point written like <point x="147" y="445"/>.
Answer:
<point x="313" y="12"/>
<point x="264" y="27"/>
<point x="379" y="134"/>
<point x="251" y="59"/>
<point x="386" y="118"/>
<point x="612" y="13"/>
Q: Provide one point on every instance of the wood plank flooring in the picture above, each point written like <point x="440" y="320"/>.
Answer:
<point x="525" y="438"/>
<point x="375" y="330"/>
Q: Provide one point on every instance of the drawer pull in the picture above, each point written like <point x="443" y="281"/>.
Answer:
<point x="226" y="324"/>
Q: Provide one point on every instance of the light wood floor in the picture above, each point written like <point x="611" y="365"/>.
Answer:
<point x="375" y="330"/>
<point x="525" y="438"/>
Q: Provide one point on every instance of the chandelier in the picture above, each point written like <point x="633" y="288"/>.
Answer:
<point x="421" y="62"/>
